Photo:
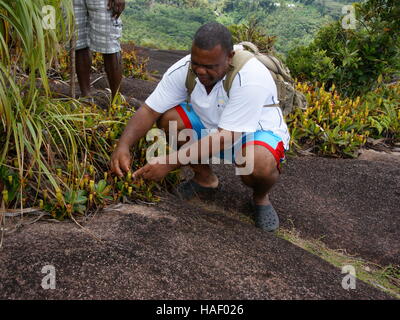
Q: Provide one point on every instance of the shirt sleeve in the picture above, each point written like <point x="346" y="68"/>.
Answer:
<point x="171" y="90"/>
<point x="243" y="110"/>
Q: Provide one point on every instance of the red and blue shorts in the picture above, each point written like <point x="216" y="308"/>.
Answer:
<point x="263" y="138"/>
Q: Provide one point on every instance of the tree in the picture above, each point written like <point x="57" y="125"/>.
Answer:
<point x="246" y="6"/>
<point x="356" y="58"/>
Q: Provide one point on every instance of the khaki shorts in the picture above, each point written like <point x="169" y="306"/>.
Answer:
<point x="96" y="28"/>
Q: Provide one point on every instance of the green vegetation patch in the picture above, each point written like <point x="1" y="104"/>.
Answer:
<point x="55" y="152"/>
<point x="336" y="126"/>
<point x="163" y="26"/>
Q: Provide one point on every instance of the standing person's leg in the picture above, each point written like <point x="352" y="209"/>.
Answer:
<point x="113" y="67"/>
<point x="83" y="66"/>
<point x="105" y="32"/>
<point x="83" y="59"/>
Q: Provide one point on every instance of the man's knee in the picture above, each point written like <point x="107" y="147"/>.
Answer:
<point x="169" y="120"/>
<point x="258" y="162"/>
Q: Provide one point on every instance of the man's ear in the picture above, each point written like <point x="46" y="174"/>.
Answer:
<point x="230" y="58"/>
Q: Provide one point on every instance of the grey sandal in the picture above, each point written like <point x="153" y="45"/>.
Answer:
<point x="190" y="189"/>
<point x="266" y="218"/>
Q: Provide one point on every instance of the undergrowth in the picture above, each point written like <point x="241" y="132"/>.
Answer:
<point x="133" y="65"/>
<point x="76" y="144"/>
<point x="339" y="127"/>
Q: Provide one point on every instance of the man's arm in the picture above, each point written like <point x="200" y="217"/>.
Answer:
<point x="208" y="146"/>
<point x="203" y="149"/>
<point x="137" y="127"/>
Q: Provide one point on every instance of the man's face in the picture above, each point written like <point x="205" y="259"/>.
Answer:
<point x="210" y="66"/>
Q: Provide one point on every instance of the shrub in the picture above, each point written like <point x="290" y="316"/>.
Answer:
<point x="354" y="58"/>
<point x="76" y="142"/>
<point x="133" y="66"/>
<point x="254" y="33"/>
<point x="54" y="153"/>
<point x="312" y="64"/>
<point x="336" y="126"/>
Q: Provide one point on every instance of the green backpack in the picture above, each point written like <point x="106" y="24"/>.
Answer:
<point x="288" y="97"/>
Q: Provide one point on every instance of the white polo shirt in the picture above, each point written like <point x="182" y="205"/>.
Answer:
<point x="252" y="88"/>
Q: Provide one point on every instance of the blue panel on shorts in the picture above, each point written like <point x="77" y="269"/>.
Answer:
<point x="197" y="125"/>
<point x="267" y="137"/>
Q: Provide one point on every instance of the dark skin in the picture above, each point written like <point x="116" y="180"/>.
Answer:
<point x="112" y="62"/>
<point x="117" y="6"/>
<point x="210" y="66"/>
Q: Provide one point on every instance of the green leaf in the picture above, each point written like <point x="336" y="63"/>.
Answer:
<point x="81" y="197"/>
<point x="80" y="208"/>
<point x="100" y="186"/>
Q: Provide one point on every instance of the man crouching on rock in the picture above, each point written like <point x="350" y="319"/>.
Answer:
<point x="233" y="123"/>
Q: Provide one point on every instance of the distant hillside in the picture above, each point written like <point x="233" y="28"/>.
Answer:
<point x="170" y="24"/>
<point x="165" y="26"/>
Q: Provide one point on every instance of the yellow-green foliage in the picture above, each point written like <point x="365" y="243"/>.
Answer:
<point x="54" y="153"/>
<point x="133" y="66"/>
<point x="337" y="127"/>
<point x="76" y="149"/>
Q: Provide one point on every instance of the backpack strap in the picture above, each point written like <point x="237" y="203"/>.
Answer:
<point x="277" y="69"/>
<point x="240" y="58"/>
<point x="190" y="83"/>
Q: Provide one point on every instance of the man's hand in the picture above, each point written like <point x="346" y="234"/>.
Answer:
<point x="121" y="160"/>
<point x="117" y="6"/>
<point x="155" y="170"/>
<point x="137" y="127"/>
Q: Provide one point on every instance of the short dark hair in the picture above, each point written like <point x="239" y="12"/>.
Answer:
<point x="212" y="34"/>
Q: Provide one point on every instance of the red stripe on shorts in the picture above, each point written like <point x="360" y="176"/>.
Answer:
<point x="184" y="117"/>
<point x="278" y="153"/>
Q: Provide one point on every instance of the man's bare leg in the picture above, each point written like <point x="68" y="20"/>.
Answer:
<point x="265" y="173"/>
<point x="113" y="67"/>
<point x="204" y="176"/>
<point x="83" y="66"/>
